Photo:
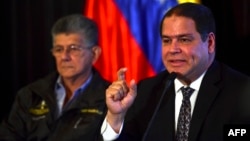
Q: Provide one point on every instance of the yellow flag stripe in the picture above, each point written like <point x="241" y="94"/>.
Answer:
<point x="194" y="1"/>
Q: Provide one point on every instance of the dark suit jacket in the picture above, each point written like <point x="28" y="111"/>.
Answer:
<point x="223" y="98"/>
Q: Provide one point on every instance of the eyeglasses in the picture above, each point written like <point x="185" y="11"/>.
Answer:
<point x="74" y="50"/>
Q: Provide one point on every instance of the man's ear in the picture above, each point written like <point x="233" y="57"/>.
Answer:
<point x="96" y="50"/>
<point x="211" y="42"/>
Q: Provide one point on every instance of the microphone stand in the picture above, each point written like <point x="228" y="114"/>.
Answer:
<point x="169" y="81"/>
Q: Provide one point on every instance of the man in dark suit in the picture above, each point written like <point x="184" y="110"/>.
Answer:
<point x="220" y="95"/>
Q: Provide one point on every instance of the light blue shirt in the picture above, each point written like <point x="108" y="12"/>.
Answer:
<point x="61" y="93"/>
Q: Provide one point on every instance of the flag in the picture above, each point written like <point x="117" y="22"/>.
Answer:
<point x="129" y="35"/>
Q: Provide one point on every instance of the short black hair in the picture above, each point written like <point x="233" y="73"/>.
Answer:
<point x="200" y="14"/>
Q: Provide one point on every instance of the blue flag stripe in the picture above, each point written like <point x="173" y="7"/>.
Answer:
<point x="143" y="17"/>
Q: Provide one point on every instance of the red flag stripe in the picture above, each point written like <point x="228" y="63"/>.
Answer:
<point x="119" y="48"/>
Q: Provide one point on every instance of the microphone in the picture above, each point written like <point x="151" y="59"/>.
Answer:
<point x="169" y="81"/>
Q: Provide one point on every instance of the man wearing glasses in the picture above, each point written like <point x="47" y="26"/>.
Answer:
<point x="68" y="104"/>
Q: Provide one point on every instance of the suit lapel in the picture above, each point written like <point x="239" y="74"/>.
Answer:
<point x="205" y="98"/>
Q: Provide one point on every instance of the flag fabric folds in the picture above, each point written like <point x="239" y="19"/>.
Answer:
<point x="129" y="35"/>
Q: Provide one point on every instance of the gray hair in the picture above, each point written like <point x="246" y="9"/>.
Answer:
<point x="77" y="23"/>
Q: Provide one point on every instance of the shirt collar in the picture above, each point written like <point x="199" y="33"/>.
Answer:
<point x="81" y="88"/>
<point x="195" y="84"/>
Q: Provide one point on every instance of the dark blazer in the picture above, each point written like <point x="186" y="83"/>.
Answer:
<point x="223" y="98"/>
<point x="34" y="115"/>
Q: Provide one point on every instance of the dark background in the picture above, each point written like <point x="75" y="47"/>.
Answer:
<point x="26" y="38"/>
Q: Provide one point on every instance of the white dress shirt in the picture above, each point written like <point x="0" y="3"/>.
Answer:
<point x="178" y="95"/>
